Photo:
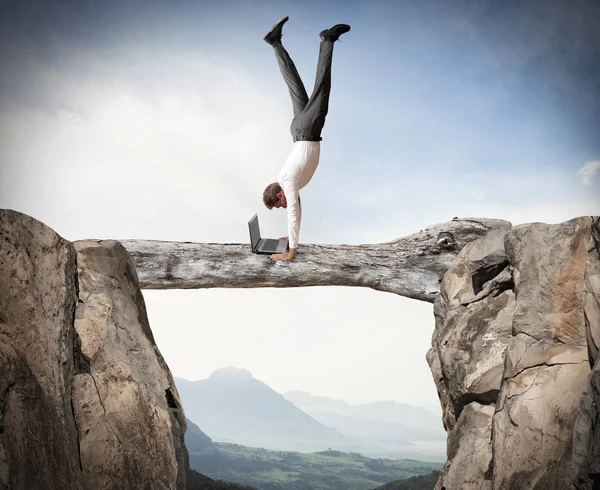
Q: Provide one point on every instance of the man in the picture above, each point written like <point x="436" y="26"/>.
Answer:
<point x="309" y="119"/>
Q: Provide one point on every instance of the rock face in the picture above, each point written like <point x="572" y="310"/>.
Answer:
<point x="126" y="406"/>
<point x="516" y="334"/>
<point x="586" y="454"/>
<point x="86" y="400"/>
<point x="38" y="293"/>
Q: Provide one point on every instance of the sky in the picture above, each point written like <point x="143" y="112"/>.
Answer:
<point x="165" y="120"/>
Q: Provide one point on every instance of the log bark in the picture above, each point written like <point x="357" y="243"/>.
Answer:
<point x="412" y="266"/>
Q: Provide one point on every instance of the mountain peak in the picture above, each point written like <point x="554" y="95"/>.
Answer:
<point x="231" y="373"/>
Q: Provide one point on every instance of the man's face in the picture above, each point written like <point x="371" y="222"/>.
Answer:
<point x="282" y="202"/>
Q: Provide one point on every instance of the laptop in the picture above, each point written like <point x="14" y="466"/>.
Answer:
<point x="264" y="245"/>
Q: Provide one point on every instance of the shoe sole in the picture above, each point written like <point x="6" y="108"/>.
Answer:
<point x="324" y="33"/>
<point x="281" y="21"/>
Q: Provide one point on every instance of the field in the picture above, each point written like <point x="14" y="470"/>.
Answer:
<point x="325" y="470"/>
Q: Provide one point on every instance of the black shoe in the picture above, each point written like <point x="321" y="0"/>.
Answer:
<point x="335" y="32"/>
<point x="274" y="34"/>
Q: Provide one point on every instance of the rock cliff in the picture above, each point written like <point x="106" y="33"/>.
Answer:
<point x="86" y="400"/>
<point x="516" y="336"/>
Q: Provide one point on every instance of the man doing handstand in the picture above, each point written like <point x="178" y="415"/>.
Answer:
<point x="308" y="121"/>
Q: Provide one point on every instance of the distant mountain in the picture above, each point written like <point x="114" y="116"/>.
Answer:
<point x="379" y="426"/>
<point x="197" y="442"/>
<point x="201" y="448"/>
<point x="364" y="427"/>
<point x="384" y="411"/>
<point x="232" y="406"/>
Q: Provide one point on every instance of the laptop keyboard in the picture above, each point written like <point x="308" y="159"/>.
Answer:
<point x="270" y="245"/>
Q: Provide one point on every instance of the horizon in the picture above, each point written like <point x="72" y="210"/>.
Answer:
<point x="164" y="121"/>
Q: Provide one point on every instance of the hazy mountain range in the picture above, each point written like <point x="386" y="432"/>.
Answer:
<point x="386" y="411"/>
<point x="386" y="419"/>
<point x="232" y="406"/>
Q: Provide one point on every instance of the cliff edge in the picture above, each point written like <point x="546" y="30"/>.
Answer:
<point x="86" y="400"/>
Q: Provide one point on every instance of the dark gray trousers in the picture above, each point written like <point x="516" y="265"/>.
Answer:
<point x="309" y="113"/>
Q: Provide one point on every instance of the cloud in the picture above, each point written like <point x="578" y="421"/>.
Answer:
<point x="165" y="147"/>
<point x="588" y="171"/>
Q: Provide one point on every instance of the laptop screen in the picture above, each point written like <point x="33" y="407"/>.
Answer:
<point x="254" y="231"/>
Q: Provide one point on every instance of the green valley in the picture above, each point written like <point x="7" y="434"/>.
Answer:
<point x="324" y="470"/>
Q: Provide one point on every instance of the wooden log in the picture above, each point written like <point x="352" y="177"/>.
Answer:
<point x="412" y="266"/>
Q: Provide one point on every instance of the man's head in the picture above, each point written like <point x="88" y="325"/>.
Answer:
<point x="273" y="196"/>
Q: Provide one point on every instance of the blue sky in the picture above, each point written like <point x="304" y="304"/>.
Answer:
<point x="165" y="120"/>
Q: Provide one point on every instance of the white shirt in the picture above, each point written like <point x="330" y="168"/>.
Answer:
<point x="297" y="171"/>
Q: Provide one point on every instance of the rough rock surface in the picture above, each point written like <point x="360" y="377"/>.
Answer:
<point x="586" y="454"/>
<point x="38" y="292"/>
<point x="472" y="329"/>
<point x="469" y="444"/>
<point x="550" y="263"/>
<point x="547" y="362"/>
<point x="129" y="415"/>
<point x="536" y="411"/>
<point x="592" y="295"/>
<point x="588" y="476"/>
<point x="527" y="337"/>
<point x="85" y="402"/>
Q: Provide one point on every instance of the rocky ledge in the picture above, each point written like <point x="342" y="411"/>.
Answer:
<point x="514" y="356"/>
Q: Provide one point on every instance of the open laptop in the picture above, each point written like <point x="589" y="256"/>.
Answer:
<point x="264" y="245"/>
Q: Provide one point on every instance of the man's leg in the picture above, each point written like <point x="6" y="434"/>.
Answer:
<point x="313" y="116"/>
<point x="292" y="78"/>
<point x="309" y="124"/>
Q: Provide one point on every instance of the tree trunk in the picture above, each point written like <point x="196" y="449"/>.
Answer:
<point x="412" y="266"/>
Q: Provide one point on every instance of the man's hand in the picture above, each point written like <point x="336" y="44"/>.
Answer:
<point x="285" y="256"/>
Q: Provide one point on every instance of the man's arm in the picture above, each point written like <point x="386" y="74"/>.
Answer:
<point x="294" y="216"/>
<point x="289" y="255"/>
